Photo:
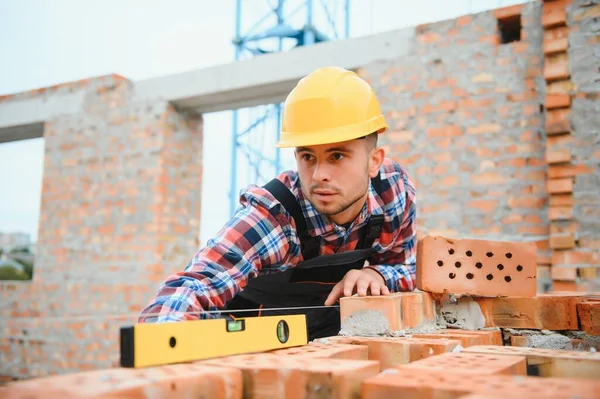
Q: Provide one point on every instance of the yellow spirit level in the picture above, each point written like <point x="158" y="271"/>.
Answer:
<point x="151" y="344"/>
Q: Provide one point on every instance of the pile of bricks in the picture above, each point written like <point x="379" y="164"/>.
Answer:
<point x="563" y="169"/>
<point x="462" y="334"/>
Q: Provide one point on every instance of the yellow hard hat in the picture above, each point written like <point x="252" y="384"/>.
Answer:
<point x="330" y="105"/>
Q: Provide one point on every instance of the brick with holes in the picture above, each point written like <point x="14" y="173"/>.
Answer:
<point x="170" y="381"/>
<point x="331" y="351"/>
<point x="290" y="377"/>
<point x="466" y="337"/>
<point x="476" y="267"/>
<point x="472" y="363"/>
<point x="409" y="383"/>
<point x="391" y="351"/>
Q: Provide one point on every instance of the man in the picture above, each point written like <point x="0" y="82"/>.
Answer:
<point x="302" y="241"/>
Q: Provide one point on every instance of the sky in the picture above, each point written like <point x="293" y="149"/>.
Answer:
<point x="43" y="43"/>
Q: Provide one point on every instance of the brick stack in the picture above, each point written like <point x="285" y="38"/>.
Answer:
<point x="410" y="351"/>
<point x="464" y="111"/>
<point x="558" y="129"/>
<point x="574" y="267"/>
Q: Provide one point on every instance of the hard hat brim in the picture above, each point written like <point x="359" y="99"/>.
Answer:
<point x="337" y="135"/>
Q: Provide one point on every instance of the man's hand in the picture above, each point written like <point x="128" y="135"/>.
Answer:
<point x="358" y="281"/>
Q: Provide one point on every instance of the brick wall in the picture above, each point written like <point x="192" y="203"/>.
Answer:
<point x="120" y="210"/>
<point x="465" y="119"/>
<point x="573" y="83"/>
<point x="468" y="121"/>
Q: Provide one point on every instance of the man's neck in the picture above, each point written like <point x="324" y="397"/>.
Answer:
<point x="350" y="214"/>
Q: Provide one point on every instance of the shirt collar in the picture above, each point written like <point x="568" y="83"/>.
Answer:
<point x="321" y="225"/>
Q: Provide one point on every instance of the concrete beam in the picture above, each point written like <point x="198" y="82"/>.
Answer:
<point x="270" y="77"/>
<point x="23" y="119"/>
<point x="262" y="80"/>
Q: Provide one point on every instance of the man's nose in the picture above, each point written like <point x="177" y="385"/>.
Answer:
<point x="321" y="172"/>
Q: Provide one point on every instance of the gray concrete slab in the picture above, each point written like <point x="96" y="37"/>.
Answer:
<point x="261" y="80"/>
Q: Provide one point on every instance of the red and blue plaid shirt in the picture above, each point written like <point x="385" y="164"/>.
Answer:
<point x="261" y="235"/>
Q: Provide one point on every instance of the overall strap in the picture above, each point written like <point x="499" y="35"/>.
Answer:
<point x="309" y="245"/>
<point x="373" y="229"/>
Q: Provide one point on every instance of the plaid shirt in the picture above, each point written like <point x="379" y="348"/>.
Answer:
<point x="261" y="236"/>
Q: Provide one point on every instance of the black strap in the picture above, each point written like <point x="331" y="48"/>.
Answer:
<point x="371" y="233"/>
<point x="309" y="245"/>
<point x="376" y="182"/>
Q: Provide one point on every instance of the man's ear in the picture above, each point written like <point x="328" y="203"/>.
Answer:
<point x="375" y="161"/>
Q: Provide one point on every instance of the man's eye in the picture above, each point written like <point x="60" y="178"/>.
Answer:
<point x="306" y="157"/>
<point x="338" y="156"/>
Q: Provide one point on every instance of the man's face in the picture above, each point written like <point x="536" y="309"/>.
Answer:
<point x="335" y="177"/>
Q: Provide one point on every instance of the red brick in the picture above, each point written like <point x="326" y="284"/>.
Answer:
<point x="483" y="205"/>
<point x="488" y="178"/>
<point x="492" y="39"/>
<point x="540" y="312"/>
<point x="509" y="12"/>
<point x="266" y="375"/>
<point x="464" y="20"/>
<point x="553" y="46"/>
<point x="526" y="202"/>
<point x="557" y="100"/>
<point x="404" y="136"/>
<point x="392" y="351"/>
<point x="556" y="33"/>
<point x="471" y="364"/>
<point x="554" y="18"/>
<point x="449" y="181"/>
<point x="563" y="273"/>
<point x="486" y="128"/>
<point x="557" y="121"/>
<point x="482" y="337"/>
<point x="565" y="201"/>
<point x="468" y="264"/>
<point x="560" y="171"/>
<point x="467" y="338"/>
<point x="176" y="380"/>
<point x="580" y="258"/>
<point x="560" y="86"/>
<point x="589" y="317"/>
<point x="470" y="103"/>
<point x="550" y="362"/>
<point x="556" y="71"/>
<point x="331" y="351"/>
<point x="559" y="286"/>
<point x="401" y="310"/>
<point x="558" y="156"/>
<point x="442" y="83"/>
<point x="445" y="131"/>
<point x="415" y="384"/>
<point x="560" y="186"/>
<point x="562" y="241"/>
<point x="429" y="37"/>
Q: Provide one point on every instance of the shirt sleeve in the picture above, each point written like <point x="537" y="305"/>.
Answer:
<point x="398" y="264"/>
<point x="258" y="236"/>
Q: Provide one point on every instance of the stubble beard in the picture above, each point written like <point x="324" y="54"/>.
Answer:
<point x="340" y="208"/>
